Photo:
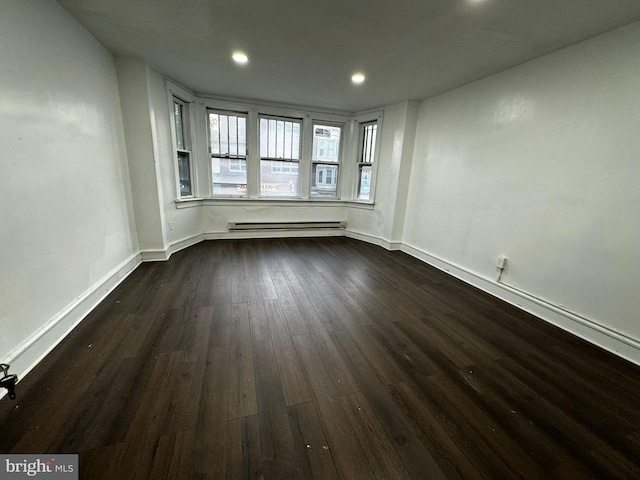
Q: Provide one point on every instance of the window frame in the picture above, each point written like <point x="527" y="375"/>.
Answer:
<point x="200" y="158"/>
<point x="268" y="158"/>
<point x="228" y="156"/>
<point x="372" y="162"/>
<point x="187" y="140"/>
<point x="315" y="163"/>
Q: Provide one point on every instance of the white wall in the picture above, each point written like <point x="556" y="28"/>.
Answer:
<point x="540" y="163"/>
<point x="202" y="221"/>
<point x="210" y="219"/>
<point x="184" y="223"/>
<point x="142" y="150"/>
<point x="216" y="218"/>
<point x="66" y="225"/>
<point x="383" y="224"/>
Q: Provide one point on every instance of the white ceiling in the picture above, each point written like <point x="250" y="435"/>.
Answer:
<point x="304" y="52"/>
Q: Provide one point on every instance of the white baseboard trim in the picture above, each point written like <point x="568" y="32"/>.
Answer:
<point x="184" y="243"/>
<point x="587" y="329"/>
<point x="154" y="255"/>
<point x="381" y="242"/>
<point x="28" y="354"/>
<point x="244" y="234"/>
<point x="158" y="255"/>
<point x="395" y="246"/>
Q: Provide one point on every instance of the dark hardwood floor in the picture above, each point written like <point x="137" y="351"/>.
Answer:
<point x="326" y="359"/>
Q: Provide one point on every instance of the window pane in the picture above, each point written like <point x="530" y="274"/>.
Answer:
<point x="295" y="147"/>
<point x="233" y="136"/>
<point x="324" y="180"/>
<point x="224" y="134"/>
<point x="229" y="176"/>
<point x="242" y="136"/>
<point x="237" y="165"/>
<point x="228" y="134"/>
<point x="278" y="178"/>
<point x="272" y="139"/>
<point x="214" y="133"/>
<point x="326" y="143"/>
<point x="364" y="183"/>
<point x="184" y="173"/>
<point x="285" y="168"/>
<point x="264" y="137"/>
<point x="288" y="139"/>
<point x="369" y="142"/>
<point x="279" y="139"/>
<point x="179" y="124"/>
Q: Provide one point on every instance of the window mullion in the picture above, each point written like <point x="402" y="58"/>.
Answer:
<point x="304" y="154"/>
<point x="229" y="121"/>
<point x="253" y="155"/>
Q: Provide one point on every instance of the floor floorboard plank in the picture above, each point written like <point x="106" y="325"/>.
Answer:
<point x="322" y="358"/>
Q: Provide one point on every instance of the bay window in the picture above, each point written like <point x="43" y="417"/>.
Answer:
<point x="246" y="151"/>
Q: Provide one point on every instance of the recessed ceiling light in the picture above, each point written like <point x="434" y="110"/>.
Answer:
<point x="240" y="57"/>
<point x="357" y="78"/>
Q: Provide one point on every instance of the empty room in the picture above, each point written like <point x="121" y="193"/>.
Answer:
<point x="321" y="240"/>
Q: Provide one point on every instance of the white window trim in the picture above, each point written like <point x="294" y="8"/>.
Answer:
<point x="174" y="92"/>
<point x="359" y="121"/>
<point x="288" y="118"/>
<point x="186" y="147"/>
<point x="341" y="153"/>
<point x="240" y="112"/>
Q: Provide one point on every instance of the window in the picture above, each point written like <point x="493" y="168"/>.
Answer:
<point x="236" y="165"/>
<point x="326" y="176"/>
<point x="325" y="159"/>
<point x="228" y="148"/>
<point x="279" y="156"/>
<point x="183" y="146"/>
<point x="284" y="168"/>
<point x="366" y="156"/>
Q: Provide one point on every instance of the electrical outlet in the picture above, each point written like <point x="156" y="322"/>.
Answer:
<point x="170" y="225"/>
<point x="502" y="262"/>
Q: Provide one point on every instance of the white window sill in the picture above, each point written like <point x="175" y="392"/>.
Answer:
<point x="276" y="202"/>
<point x="188" y="202"/>
<point x="360" y="204"/>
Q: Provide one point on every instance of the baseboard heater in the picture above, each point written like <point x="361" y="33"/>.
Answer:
<point x="285" y="225"/>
